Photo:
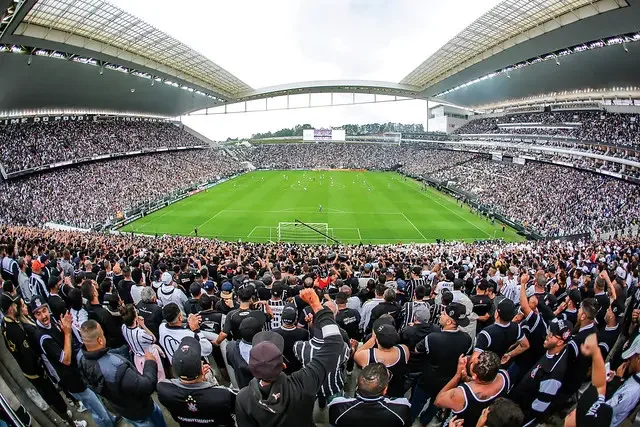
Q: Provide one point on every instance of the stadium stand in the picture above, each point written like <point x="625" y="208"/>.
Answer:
<point x="25" y="145"/>
<point x="594" y="126"/>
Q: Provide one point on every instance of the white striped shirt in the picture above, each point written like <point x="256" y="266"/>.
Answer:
<point x="276" y="308"/>
<point x="138" y="339"/>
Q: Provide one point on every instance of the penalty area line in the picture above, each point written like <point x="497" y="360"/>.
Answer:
<point x="414" y="226"/>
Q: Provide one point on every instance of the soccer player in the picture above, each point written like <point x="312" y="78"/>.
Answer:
<point x="320" y="209"/>
<point x="195" y="231"/>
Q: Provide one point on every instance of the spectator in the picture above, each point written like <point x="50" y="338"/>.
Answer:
<point x="118" y="381"/>
<point x="150" y="311"/>
<point x="190" y="398"/>
<point x="291" y="334"/>
<point x="140" y="340"/>
<point x="370" y="406"/>
<point x="172" y="332"/>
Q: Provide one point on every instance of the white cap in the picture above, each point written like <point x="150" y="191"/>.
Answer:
<point x="166" y="278"/>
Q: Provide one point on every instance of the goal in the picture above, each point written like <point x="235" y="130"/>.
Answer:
<point x="310" y="232"/>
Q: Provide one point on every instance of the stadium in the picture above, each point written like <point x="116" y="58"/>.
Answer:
<point x="503" y="228"/>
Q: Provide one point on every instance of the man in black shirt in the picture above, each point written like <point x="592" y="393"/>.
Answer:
<point x="111" y="327"/>
<point x="150" y="311"/>
<point x="291" y="334"/>
<point x="370" y="406"/>
<point x="57" y="353"/>
<point x="539" y="387"/>
<point x="56" y="303"/>
<point x="235" y="317"/>
<point x="192" y="305"/>
<point x="603" y="300"/>
<point x="124" y="286"/>
<point x="443" y="348"/>
<point x="388" y="306"/>
<point x="482" y="304"/>
<point x="349" y="320"/>
<point x="185" y="278"/>
<point x="189" y="398"/>
<point x="500" y="336"/>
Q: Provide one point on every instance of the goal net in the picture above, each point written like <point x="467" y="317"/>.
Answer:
<point x="295" y="232"/>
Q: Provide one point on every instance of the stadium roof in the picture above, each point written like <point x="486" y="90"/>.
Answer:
<point x="507" y="24"/>
<point x="516" y="39"/>
<point x="98" y="25"/>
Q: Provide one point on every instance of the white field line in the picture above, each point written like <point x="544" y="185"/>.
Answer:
<point x="314" y="211"/>
<point x="450" y="210"/>
<point x="208" y="220"/>
<point x="414" y="226"/>
<point x="255" y="228"/>
<point x="359" y="235"/>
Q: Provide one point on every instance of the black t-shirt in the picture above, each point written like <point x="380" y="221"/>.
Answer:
<point x="604" y="303"/>
<point x="185" y="279"/>
<point x="52" y="345"/>
<point x="498" y="338"/>
<point x="17" y="342"/>
<point x="535" y="330"/>
<point x="264" y="293"/>
<point x="390" y="308"/>
<point x="212" y="321"/>
<point x="57" y="306"/>
<point x="198" y="404"/>
<point x="152" y="315"/>
<point x="232" y="322"/>
<point x="482" y="305"/>
<point x="349" y="320"/>
<point x="124" y="290"/>
<point x="291" y="336"/>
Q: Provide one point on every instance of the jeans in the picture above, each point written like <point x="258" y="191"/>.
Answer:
<point x="419" y="398"/>
<point x="100" y="414"/>
<point x="156" y="419"/>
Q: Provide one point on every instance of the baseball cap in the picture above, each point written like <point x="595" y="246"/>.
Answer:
<point x="386" y="335"/>
<point x="249" y="327"/>
<point x="385" y="319"/>
<point x="265" y="357"/>
<point x="186" y="361"/>
<point x="195" y="288"/>
<point x="277" y="290"/>
<point x="506" y="309"/>
<point x="166" y="278"/>
<point x="633" y="349"/>
<point x="289" y="314"/>
<point x="421" y="313"/>
<point x="561" y="328"/>
<point x="208" y="285"/>
<point x="37" y="302"/>
<point x="44" y="258"/>
<point x="7" y="300"/>
<point x="227" y="287"/>
<point x="592" y="411"/>
<point x="458" y="313"/>
<point x="575" y="296"/>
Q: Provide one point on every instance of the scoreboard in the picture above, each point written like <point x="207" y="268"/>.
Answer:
<point x="313" y="135"/>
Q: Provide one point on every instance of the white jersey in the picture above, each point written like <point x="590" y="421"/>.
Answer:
<point x="138" y="339"/>
<point x="170" y="337"/>
<point x="625" y="399"/>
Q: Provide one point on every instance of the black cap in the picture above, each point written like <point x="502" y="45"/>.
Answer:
<point x="7" y="300"/>
<point x="458" y="313"/>
<point x="575" y="296"/>
<point x="289" y="314"/>
<point x="265" y="357"/>
<point x="36" y="303"/>
<point x="249" y="327"/>
<point x="386" y="335"/>
<point x="195" y="289"/>
<point x="561" y="328"/>
<point x="592" y="411"/>
<point x="186" y="361"/>
<point x="506" y="309"/>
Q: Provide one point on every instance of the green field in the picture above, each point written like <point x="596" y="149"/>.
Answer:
<point x="367" y="207"/>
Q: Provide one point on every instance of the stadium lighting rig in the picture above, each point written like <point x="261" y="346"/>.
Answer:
<point x="623" y="39"/>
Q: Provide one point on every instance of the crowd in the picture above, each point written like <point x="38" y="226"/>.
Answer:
<point x="90" y="194"/>
<point x="487" y="334"/>
<point x="599" y="126"/>
<point x="27" y="145"/>
<point x="554" y="201"/>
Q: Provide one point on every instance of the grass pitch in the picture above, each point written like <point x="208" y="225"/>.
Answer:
<point x="367" y="207"/>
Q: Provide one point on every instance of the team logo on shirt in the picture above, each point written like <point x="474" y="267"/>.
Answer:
<point x="191" y="404"/>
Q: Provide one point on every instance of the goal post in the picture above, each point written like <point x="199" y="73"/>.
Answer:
<point x="301" y="232"/>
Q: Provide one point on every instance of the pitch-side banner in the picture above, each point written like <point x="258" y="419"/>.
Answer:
<point x="311" y="135"/>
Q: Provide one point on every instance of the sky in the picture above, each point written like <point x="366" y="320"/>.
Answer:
<point x="266" y="43"/>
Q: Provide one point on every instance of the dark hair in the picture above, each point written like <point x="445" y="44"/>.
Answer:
<point x="75" y="299"/>
<point x="341" y="298"/>
<point x="447" y="298"/>
<point x="373" y="379"/>
<point x="87" y="290"/>
<point x="126" y="270"/>
<point x="170" y="312"/>
<point x="8" y="287"/>
<point x="504" y="413"/>
<point x="128" y="314"/>
<point x="487" y="366"/>
<point x="590" y="307"/>
<point x="204" y="272"/>
<point x="205" y="301"/>
<point x="114" y="301"/>
<point x="136" y="275"/>
<point x="106" y="285"/>
<point x="380" y="288"/>
<point x="421" y="291"/>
